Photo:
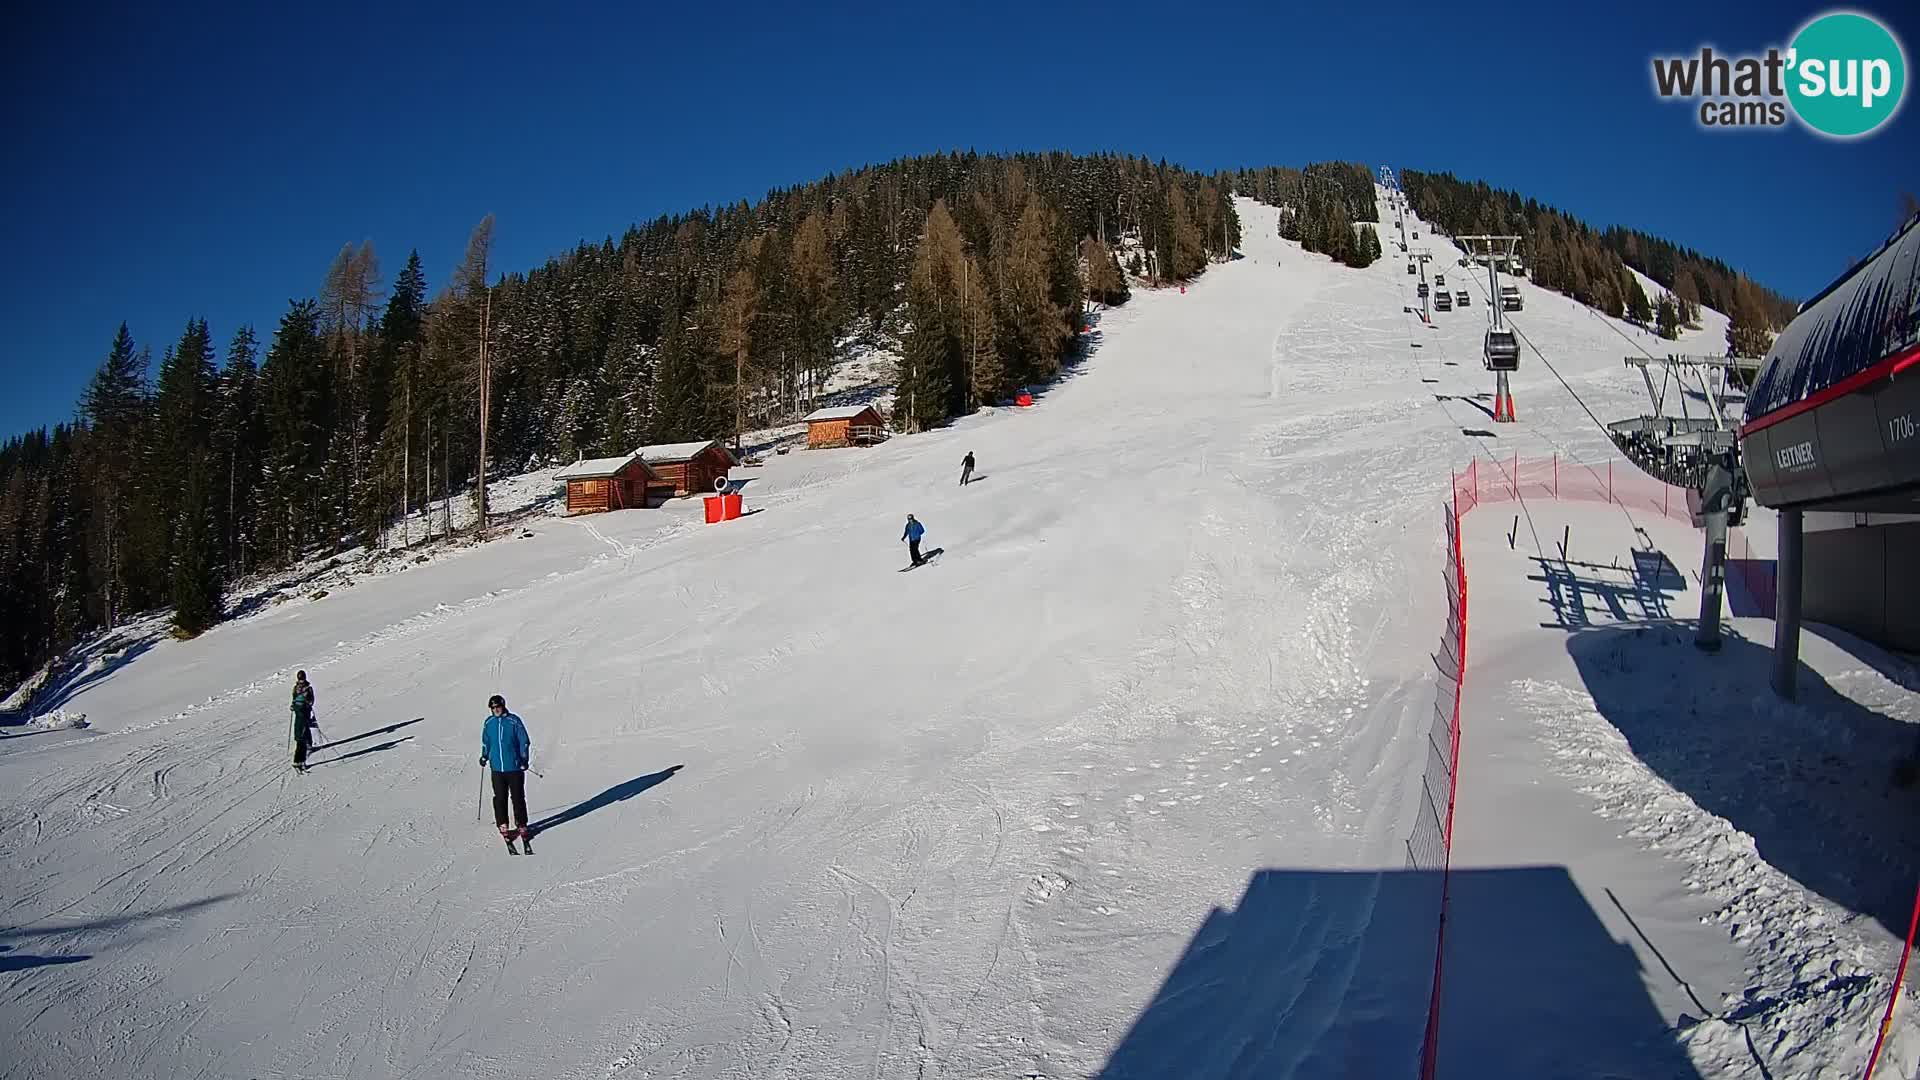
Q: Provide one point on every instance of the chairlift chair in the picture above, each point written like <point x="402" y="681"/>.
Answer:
<point x="1502" y="351"/>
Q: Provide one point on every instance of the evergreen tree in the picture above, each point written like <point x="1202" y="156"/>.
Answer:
<point x="237" y="443"/>
<point x="1667" y="318"/>
<point x="1639" y="310"/>
<point x="815" y="305"/>
<point x="185" y="405"/>
<point x="932" y="364"/>
<point x="1747" y="333"/>
<point x="1106" y="284"/>
<point x="295" y="387"/>
<point x="114" y="408"/>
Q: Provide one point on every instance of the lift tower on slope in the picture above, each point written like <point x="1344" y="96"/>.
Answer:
<point x="1425" y="294"/>
<point x="1397" y="198"/>
<point x="1501" y="350"/>
<point x="1700" y="453"/>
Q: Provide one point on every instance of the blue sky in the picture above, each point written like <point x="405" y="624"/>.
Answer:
<point x="165" y="164"/>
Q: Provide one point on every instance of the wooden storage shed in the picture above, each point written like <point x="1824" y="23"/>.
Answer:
<point x="851" y="425"/>
<point x="614" y="483"/>
<point x="688" y="468"/>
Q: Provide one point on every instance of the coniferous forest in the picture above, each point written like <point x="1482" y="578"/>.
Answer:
<point x="1567" y="255"/>
<point x="239" y="451"/>
<point x="199" y="459"/>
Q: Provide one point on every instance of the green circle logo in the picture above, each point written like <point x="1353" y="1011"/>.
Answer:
<point x="1846" y="74"/>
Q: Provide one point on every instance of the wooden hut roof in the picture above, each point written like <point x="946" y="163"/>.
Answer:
<point x="673" y="453"/>
<point x="601" y="468"/>
<point x="844" y="412"/>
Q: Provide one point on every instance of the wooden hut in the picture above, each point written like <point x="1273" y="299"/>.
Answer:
<point x="613" y="483"/>
<point x="688" y="468"/>
<point x="850" y="425"/>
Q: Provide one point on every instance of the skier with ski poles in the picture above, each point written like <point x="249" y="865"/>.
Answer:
<point x="303" y="725"/>
<point x="507" y="753"/>
<point x="966" y="468"/>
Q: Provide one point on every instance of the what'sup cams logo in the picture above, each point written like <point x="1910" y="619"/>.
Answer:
<point x="1843" y="76"/>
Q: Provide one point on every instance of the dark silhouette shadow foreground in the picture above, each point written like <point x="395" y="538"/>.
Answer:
<point x="367" y="734"/>
<point x="617" y="793"/>
<point x="1329" y="972"/>
<point x="1807" y="780"/>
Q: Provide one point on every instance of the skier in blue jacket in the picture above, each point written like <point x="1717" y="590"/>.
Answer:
<point x="912" y="536"/>
<point x="506" y="750"/>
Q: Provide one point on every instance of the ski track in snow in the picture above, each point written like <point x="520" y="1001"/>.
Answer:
<point x="811" y="817"/>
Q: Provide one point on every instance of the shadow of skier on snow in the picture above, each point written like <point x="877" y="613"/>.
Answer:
<point x="368" y="734"/>
<point x="618" y="793"/>
<point x="360" y="753"/>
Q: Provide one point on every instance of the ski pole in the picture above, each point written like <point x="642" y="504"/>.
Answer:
<point x="480" y="811"/>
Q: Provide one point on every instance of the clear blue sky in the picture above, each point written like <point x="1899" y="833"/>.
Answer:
<point x="165" y="163"/>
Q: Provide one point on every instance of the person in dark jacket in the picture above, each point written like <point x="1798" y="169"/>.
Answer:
<point x="506" y="750"/>
<point x="966" y="468"/>
<point x="912" y="535"/>
<point x="302" y="720"/>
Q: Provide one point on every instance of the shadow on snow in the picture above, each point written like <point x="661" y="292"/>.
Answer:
<point x="390" y="728"/>
<point x="618" y="793"/>
<point x="1329" y="972"/>
<point x="12" y="960"/>
<point x="1808" y="780"/>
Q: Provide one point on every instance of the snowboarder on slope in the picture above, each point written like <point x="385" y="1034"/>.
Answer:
<point x="302" y="720"/>
<point x="912" y="535"/>
<point x="966" y="468"/>
<point x="506" y="750"/>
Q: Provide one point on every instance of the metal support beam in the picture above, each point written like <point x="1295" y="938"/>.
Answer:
<point x="1786" y="606"/>
<point x="1716" y="500"/>
<point x="1713" y="581"/>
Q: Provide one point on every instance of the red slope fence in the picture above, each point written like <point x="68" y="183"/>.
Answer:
<point x="1430" y="846"/>
<point x="1515" y="479"/>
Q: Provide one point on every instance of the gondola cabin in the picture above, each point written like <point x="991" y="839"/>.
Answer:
<point x="596" y="485"/>
<point x="687" y="468"/>
<point x="1501" y="351"/>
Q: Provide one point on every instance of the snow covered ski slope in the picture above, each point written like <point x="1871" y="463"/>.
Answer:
<point x="1098" y="795"/>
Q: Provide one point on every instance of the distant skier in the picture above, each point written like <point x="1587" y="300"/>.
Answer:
<point x="506" y="750"/>
<point x="966" y="468"/>
<point x="302" y="720"/>
<point x="912" y="535"/>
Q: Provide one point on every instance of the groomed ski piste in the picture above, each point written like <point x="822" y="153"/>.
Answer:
<point x="1121" y="786"/>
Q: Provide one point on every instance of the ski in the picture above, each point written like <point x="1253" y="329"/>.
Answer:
<point x="511" y="850"/>
<point x="526" y="842"/>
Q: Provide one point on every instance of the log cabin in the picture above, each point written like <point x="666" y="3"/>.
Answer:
<point x="850" y="425"/>
<point x="687" y="468"/>
<point x="595" y="485"/>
